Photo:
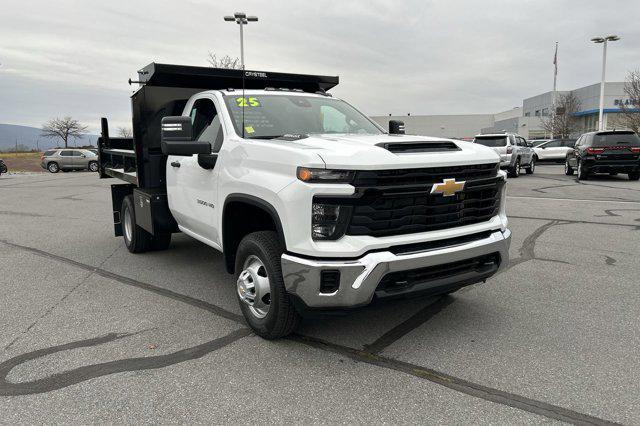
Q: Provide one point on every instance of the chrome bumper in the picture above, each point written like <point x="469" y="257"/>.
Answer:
<point x="359" y="278"/>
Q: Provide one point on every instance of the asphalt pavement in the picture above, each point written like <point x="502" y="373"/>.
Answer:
<point x="90" y="333"/>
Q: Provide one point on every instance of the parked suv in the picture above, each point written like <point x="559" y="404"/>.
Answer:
<point x="605" y="152"/>
<point x="69" y="159"/>
<point x="513" y="149"/>
<point x="554" y="150"/>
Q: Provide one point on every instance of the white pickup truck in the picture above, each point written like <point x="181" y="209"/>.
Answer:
<point x="314" y="206"/>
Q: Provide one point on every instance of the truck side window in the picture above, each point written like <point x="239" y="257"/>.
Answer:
<point x="206" y="123"/>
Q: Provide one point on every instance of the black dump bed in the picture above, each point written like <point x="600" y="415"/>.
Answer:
<point x="164" y="90"/>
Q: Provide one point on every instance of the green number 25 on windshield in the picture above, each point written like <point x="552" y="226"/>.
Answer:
<point x="248" y="102"/>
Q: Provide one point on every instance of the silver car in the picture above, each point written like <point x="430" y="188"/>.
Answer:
<point x="513" y="149"/>
<point x="66" y="159"/>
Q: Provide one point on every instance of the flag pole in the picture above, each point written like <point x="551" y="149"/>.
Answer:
<point x="553" y="94"/>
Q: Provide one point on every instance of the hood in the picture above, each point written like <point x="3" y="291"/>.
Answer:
<point x="351" y="151"/>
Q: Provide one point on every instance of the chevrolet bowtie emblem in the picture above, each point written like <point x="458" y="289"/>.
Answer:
<point x="447" y="188"/>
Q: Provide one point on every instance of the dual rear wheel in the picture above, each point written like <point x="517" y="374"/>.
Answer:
<point x="137" y="239"/>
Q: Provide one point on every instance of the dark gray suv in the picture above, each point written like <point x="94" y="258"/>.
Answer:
<point x="66" y="159"/>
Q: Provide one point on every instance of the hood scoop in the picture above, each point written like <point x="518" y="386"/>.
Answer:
<point x="415" y="147"/>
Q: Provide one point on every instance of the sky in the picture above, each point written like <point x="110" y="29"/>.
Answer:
<point x="74" y="57"/>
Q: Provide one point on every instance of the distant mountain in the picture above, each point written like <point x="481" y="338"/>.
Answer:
<point x="30" y="137"/>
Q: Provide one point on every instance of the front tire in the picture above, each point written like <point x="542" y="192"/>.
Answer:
<point x="53" y="167"/>
<point x="568" y="170"/>
<point x="634" y="175"/>
<point x="136" y="239"/>
<point x="93" y="166"/>
<point x="264" y="302"/>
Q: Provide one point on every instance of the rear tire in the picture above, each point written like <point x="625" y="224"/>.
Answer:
<point x="583" y="172"/>
<point x="264" y="302"/>
<point x="568" y="170"/>
<point x="532" y="166"/>
<point x="136" y="239"/>
<point x="634" y="175"/>
<point x="514" y="171"/>
<point x="53" y="167"/>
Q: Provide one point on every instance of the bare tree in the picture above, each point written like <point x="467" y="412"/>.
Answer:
<point x="629" y="117"/>
<point x="225" y="61"/>
<point x="562" y="122"/>
<point x="125" y="132"/>
<point x="64" y="129"/>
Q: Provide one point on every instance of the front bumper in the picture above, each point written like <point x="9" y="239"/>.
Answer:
<point x="360" y="278"/>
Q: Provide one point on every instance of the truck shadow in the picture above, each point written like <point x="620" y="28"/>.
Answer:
<point x="360" y="328"/>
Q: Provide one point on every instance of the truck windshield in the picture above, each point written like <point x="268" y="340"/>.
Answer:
<point x="491" y="140"/>
<point x="272" y="116"/>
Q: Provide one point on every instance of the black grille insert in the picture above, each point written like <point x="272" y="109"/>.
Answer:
<point x="399" y="281"/>
<point x="382" y="213"/>
<point x="423" y="176"/>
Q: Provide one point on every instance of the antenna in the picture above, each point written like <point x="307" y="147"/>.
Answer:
<point x="244" y="100"/>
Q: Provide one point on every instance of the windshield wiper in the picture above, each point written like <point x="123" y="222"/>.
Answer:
<point x="285" y="137"/>
<point x="265" y="137"/>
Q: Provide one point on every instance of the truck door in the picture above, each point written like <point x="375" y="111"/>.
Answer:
<point x="192" y="190"/>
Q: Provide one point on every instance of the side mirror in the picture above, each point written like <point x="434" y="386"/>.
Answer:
<point x="396" y="127"/>
<point x="543" y="147"/>
<point x="177" y="137"/>
<point x="207" y="161"/>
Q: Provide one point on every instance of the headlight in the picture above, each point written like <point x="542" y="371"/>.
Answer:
<point x="306" y="174"/>
<point x="328" y="221"/>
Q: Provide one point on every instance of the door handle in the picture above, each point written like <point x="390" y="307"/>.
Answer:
<point x="175" y="164"/>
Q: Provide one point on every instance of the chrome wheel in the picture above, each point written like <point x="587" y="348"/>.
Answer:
<point x="253" y="287"/>
<point x="93" y="167"/>
<point x="127" y="223"/>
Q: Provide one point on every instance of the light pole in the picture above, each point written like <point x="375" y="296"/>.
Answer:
<point x="604" y="41"/>
<point x="241" y="19"/>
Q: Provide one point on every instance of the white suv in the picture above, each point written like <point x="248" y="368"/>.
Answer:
<point x="513" y="149"/>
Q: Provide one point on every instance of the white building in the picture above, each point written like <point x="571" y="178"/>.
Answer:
<point x="525" y="120"/>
